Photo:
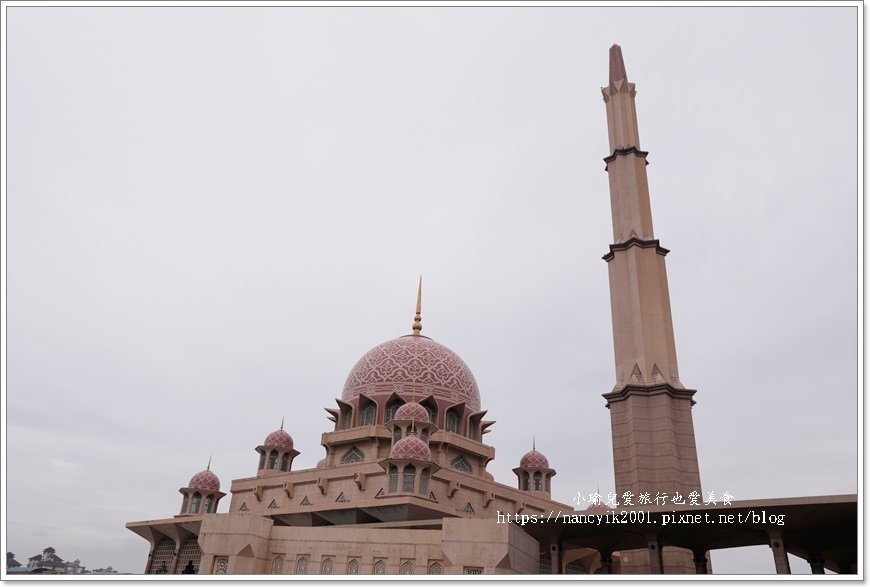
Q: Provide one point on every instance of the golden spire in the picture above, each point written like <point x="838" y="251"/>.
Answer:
<point x="418" y="320"/>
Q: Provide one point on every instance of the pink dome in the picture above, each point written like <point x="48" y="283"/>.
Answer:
<point x="413" y="363"/>
<point x="412" y="411"/>
<point x="598" y="507"/>
<point x="534" y="460"/>
<point x="411" y="447"/>
<point x="280" y="439"/>
<point x="205" y="480"/>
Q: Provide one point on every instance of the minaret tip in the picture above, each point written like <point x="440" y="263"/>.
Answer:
<point x="418" y="320"/>
<point x="282" y="422"/>
<point x="208" y="466"/>
<point x="533" y="443"/>
<point x="617" y="65"/>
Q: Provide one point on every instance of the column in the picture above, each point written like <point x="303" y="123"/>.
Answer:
<point x="700" y="560"/>
<point x="656" y="565"/>
<point x="780" y="555"/>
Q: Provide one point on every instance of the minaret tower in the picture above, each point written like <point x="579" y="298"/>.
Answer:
<point x="650" y="409"/>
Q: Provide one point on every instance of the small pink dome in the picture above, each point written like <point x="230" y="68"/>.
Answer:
<point x="412" y="411"/>
<point x="205" y="480"/>
<point x="598" y="507"/>
<point x="411" y="447"/>
<point x="280" y="439"/>
<point x="534" y="460"/>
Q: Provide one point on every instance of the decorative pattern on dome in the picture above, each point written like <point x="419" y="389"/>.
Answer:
<point x="417" y="364"/>
<point x="412" y="411"/>
<point x="411" y="447"/>
<point x="205" y="480"/>
<point x="280" y="439"/>
<point x="534" y="460"/>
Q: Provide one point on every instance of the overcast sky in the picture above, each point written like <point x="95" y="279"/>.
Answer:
<point x="214" y="212"/>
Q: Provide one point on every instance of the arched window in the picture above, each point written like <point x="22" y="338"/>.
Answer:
<point x="273" y="459"/>
<point x="397" y="434"/>
<point x="538" y="486"/>
<point x="433" y="411"/>
<point x="408" y="481"/>
<point x="302" y="566"/>
<point x="394" y="478"/>
<point x="277" y="565"/>
<point x="452" y="422"/>
<point x="326" y="567"/>
<point x="460" y="464"/>
<point x="194" y="503"/>
<point x="525" y="482"/>
<point x="424" y="481"/>
<point x="353" y="567"/>
<point x="262" y="460"/>
<point x="436" y="569"/>
<point x="353" y="455"/>
<point x="367" y="417"/>
<point x="424" y="434"/>
<point x="207" y="506"/>
<point x="390" y="413"/>
<point x="380" y="568"/>
<point x="407" y="568"/>
<point x="474" y="427"/>
<point x="285" y="462"/>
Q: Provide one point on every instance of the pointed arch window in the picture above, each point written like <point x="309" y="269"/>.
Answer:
<point x="285" y="462"/>
<point x="436" y="569"/>
<point x="424" y="481"/>
<point x="353" y="567"/>
<point x="525" y="486"/>
<point x="277" y="565"/>
<point x="302" y="566"/>
<point x="424" y="434"/>
<point x="380" y="568"/>
<point x="392" y="407"/>
<point x="367" y="416"/>
<point x="394" y="479"/>
<point x="408" y="479"/>
<point x="194" y="503"/>
<point x="538" y="478"/>
<point x="397" y="434"/>
<point x="407" y="568"/>
<point x="452" y="422"/>
<point x="273" y="459"/>
<point x="460" y="464"/>
<point x="207" y="506"/>
<point x="326" y="567"/>
<point x="353" y="455"/>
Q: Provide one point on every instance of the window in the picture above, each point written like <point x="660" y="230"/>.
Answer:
<point x="433" y="411"/>
<point x="408" y="481"/>
<point x="221" y="564"/>
<point x="424" y="481"/>
<point x="285" y="462"/>
<point x="525" y="486"/>
<point x="391" y="410"/>
<point x="189" y="556"/>
<point x="273" y="459"/>
<point x="262" y="460"/>
<point x="353" y="455"/>
<point x="436" y="569"/>
<point x="474" y="427"/>
<point x="407" y="568"/>
<point x="397" y="434"/>
<point x="302" y="566"/>
<point x="194" y="503"/>
<point x="452" y="422"/>
<point x="424" y="434"/>
<point x="547" y="484"/>
<point x="468" y="509"/>
<point x="207" y="508"/>
<point x="394" y="479"/>
<point x="460" y="464"/>
<point x="538" y="485"/>
<point x="353" y="567"/>
<point x="326" y="567"/>
<point x="472" y="571"/>
<point x="380" y="568"/>
<point x="161" y="560"/>
<point x="277" y="565"/>
<point x="367" y="417"/>
<point x="184" y="503"/>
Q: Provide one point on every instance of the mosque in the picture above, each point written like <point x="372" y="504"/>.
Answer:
<point x="403" y="488"/>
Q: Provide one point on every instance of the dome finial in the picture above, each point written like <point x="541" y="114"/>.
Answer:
<point x="418" y="320"/>
<point x="533" y="443"/>
<point x="282" y="423"/>
<point x="208" y="466"/>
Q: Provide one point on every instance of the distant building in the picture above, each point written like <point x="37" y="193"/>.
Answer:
<point x="50" y="561"/>
<point x="10" y="560"/>
<point x="107" y="571"/>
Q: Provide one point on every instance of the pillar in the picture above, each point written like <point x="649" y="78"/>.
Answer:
<point x="656" y="565"/>
<point x="780" y="555"/>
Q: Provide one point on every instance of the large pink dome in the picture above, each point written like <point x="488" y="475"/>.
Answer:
<point x="205" y="480"/>
<point x="411" y="447"/>
<point x="413" y="364"/>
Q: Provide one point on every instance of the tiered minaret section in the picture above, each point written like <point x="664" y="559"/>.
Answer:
<point x="650" y="409"/>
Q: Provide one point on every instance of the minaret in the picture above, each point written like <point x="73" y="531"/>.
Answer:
<point x="650" y="409"/>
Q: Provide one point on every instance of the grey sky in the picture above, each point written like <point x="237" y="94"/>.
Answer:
<point x="214" y="212"/>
